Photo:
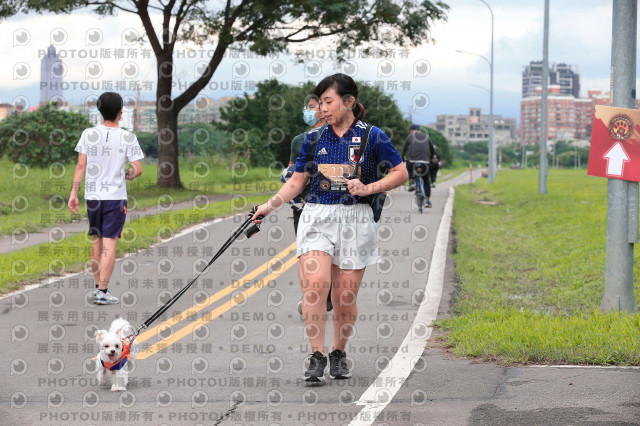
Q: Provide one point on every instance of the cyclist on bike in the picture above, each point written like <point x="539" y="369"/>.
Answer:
<point x="420" y="152"/>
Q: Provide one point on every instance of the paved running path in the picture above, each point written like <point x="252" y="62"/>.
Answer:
<point x="233" y="353"/>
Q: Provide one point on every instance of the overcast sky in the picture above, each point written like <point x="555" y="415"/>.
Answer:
<point x="580" y="35"/>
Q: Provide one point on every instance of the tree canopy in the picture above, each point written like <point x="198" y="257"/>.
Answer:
<point x="442" y="146"/>
<point x="262" y="26"/>
<point x="261" y="126"/>
<point x="40" y="138"/>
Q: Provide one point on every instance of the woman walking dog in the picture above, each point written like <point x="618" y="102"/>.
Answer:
<point x="336" y="236"/>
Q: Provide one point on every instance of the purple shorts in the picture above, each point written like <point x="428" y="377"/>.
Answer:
<point x="106" y="217"/>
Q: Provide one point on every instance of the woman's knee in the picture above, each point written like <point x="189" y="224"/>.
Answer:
<point x="312" y="295"/>
<point x="344" y="298"/>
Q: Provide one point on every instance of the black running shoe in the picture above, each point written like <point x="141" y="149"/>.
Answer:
<point x="317" y="364"/>
<point x="338" y="365"/>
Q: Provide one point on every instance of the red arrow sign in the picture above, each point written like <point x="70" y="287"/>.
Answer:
<point x="615" y="141"/>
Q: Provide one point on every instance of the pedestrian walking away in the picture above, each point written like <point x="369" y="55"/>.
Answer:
<point x="435" y="164"/>
<point x="103" y="152"/>
<point x="336" y="235"/>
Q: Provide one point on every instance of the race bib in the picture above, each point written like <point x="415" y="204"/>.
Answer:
<point x="332" y="176"/>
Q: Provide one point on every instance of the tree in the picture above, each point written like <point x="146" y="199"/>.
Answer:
<point x="42" y="137"/>
<point x="382" y="111"/>
<point x="442" y="146"/>
<point x="10" y="7"/>
<point x="148" y="143"/>
<point x="476" y="147"/>
<point x="262" y="26"/>
<point x="283" y="105"/>
<point x="263" y="125"/>
<point x="201" y="139"/>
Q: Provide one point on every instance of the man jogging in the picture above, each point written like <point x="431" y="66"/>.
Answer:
<point x="102" y="155"/>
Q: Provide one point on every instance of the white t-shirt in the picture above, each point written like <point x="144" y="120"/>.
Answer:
<point x="107" y="149"/>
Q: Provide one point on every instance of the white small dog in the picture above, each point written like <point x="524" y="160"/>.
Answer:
<point x="115" y="351"/>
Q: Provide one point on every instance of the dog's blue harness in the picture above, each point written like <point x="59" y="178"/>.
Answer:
<point x="116" y="366"/>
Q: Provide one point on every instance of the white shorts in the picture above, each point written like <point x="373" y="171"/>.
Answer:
<point x="348" y="233"/>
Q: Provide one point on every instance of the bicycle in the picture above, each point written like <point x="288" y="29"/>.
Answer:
<point x="420" y="170"/>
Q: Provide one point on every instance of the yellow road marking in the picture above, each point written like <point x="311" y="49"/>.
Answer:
<point x="211" y="299"/>
<point x="188" y="329"/>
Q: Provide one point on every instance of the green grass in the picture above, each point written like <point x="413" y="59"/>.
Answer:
<point x="448" y="174"/>
<point x="35" y="263"/>
<point x="531" y="271"/>
<point x="37" y="198"/>
<point x="511" y="336"/>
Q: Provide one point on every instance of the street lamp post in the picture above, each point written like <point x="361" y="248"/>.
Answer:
<point x="492" y="150"/>
<point x="492" y="146"/>
<point x="491" y="124"/>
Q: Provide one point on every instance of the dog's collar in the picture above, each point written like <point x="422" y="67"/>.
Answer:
<point x="120" y="362"/>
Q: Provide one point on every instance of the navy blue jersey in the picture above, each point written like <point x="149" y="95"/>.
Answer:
<point x="335" y="157"/>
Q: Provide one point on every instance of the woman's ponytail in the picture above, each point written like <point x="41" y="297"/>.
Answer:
<point x="358" y="110"/>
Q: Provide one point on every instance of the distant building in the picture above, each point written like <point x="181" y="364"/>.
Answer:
<point x="561" y="114"/>
<point x="559" y="74"/>
<point x="568" y="118"/>
<point x="51" y="72"/>
<point x="7" y="110"/>
<point x="203" y="110"/>
<point x="140" y="116"/>
<point x="566" y="78"/>
<point x="474" y="127"/>
<point x="145" y="117"/>
<point x="531" y="78"/>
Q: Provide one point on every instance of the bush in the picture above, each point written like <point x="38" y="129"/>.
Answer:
<point x="442" y="146"/>
<point x="42" y="137"/>
<point x="148" y="143"/>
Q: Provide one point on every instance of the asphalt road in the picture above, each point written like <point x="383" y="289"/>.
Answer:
<point x="232" y="350"/>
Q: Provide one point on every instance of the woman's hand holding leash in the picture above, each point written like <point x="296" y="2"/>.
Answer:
<point x="261" y="211"/>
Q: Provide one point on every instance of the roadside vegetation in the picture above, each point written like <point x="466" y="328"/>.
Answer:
<point x="35" y="197"/>
<point x="33" y="264"/>
<point x="241" y="154"/>
<point x="531" y="273"/>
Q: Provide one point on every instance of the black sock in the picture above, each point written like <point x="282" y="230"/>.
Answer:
<point x="104" y="290"/>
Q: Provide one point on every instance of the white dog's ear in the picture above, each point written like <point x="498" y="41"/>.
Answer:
<point x="100" y="335"/>
<point x="126" y="331"/>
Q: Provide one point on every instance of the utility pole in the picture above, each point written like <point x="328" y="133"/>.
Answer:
<point x="544" y="166"/>
<point x="492" y="144"/>
<point x="622" y="196"/>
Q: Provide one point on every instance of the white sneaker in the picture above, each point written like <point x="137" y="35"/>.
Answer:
<point x="105" y="298"/>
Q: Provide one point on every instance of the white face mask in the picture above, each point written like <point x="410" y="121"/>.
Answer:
<point x="309" y="117"/>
